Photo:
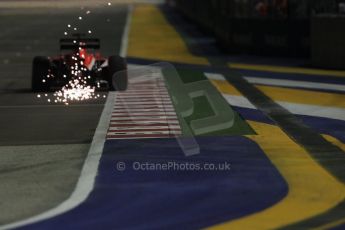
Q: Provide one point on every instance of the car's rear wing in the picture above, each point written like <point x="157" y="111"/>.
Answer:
<point x="75" y="43"/>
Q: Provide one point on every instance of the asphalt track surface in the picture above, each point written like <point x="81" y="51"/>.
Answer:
<point x="43" y="145"/>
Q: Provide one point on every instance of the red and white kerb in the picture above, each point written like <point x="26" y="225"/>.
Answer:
<point x="145" y="110"/>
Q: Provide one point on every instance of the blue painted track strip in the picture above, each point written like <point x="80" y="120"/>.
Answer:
<point x="175" y="199"/>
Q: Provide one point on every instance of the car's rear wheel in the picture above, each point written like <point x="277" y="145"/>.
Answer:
<point x="117" y="73"/>
<point x="40" y="69"/>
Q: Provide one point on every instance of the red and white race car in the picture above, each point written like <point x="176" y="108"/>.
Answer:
<point x="81" y="62"/>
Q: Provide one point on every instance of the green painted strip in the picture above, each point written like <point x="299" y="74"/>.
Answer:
<point x="201" y="109"/>
<point x="190" y="75"/>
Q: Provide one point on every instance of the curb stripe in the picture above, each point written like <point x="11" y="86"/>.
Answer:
<point x="143" y="120"/>
<point x="164" y="129"/>
<point x="144" y="115"/>
<point x="140" y="124"/>
<point x="124" y="111"/>
<point x="140" y="136"/>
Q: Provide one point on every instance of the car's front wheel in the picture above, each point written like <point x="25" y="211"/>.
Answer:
<point x="117" y="73"/>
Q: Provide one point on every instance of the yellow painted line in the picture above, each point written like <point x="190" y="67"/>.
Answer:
<point x="341" y="145"/>
<point x="304" y="96"/>
<point x="312" y="190"/>
<point x="152" y="37"/>
<point x="335" y="141"/>
<point x="284" y="69"/>
<point x="225" y="87"/>
<point x="282" y="94"/>
<point x="289" y="202"/>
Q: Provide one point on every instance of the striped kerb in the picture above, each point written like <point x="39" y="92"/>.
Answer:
<point x="144" y="110"/>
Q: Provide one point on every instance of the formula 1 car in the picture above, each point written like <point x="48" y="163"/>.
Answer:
<point x="79" y="62"/>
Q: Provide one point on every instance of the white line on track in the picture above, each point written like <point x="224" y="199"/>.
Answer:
<point x="283" y="82"/>
<point x="294" y="108"/>
<point x="87" y="177"/>
<point x="295" y="84"/>
<point x="239" y="101"/>
<point x="300" y="109"/>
